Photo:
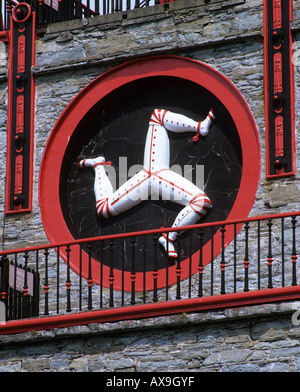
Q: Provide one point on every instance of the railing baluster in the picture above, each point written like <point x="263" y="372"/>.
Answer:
<point x="123" y="270"/>
<point x="1" y="16"/>
<point x="57" y="280"/>
<point x="70" y="10"/>
<point x="190" y="263"/>
<point x="11" y="296"/>
<point x="4" y="265"/>
<point x="222" y="264"/>
<point x="133" y="274"/>
<point x="154" y="272"/>
<point x="200" y="264"/>
<point x="68" y="281"/>
<point x="144" y="267"/>
<point x="80" y="277"/>
<point x="36" y="285"/>
<point x="178" y="270"/>
<point x="270" y="256"/>
<point x="101" y="275"/>
<point x="97" y="7"/>
<point x="258" y="255"/>
<point x="19" y="300"/>
<point x="19" y="296"/>
<point x="212" y="262"/>
<point x="60" y="15"/>
<point x="46" y="283"/>
<point x="167" y="267"/>
<point x="52" y="14"/>
<point x="234" y="259"/>
<point x="246" y="259"/>
<point x="111" y="274"/>
<point x="15" y="288"/>
<point x="294" y="253"/>
<point x="8" y="8"/>
<point x="25" y="305"/>
<point x="78" y="9"/>
<point x="40" y="12"/>
<point x="282" y="254"/>
<point x="90" y="278"/>
<point x="88" y="9"/>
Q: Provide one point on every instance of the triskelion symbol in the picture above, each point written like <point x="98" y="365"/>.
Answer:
<point x="156" y="176"/>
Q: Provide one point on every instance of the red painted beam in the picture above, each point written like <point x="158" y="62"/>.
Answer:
<point x="152" y="310"/>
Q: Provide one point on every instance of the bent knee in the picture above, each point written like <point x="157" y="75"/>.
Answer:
<point x="102" y="207"/>
<point x="201" y="203"/>
<point x="157" y="116"/>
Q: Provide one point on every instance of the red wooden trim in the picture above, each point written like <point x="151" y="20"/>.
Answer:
<point x="192" y="70"/>
<point x="153" y="310"/>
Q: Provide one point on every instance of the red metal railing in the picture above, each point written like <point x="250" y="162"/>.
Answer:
<point x="51" y="11"/>
<point x="219" y="265"/>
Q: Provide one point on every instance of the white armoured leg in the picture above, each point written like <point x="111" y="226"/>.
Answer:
<point x="179" y="123"/>
<point x="195" y="210"/>
<point x="131" y="193"/>
<point x="204" y="125"/>
<point x="102" y="185"/>
<point x="180" y="190"/>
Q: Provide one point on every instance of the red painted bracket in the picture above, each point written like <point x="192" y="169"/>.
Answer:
<point x="20" y="114"/>
<point x="279" y="89"/>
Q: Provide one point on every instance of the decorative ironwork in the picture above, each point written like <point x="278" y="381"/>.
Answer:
<point x="272" y="271"/>
<point x="20" y="111"/>
<point x="51" y="11"/>
<point x="19" y="288"/>
<point x="279" y="89"/>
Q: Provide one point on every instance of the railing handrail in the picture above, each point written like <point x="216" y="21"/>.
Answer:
<point x="81" y="241"/>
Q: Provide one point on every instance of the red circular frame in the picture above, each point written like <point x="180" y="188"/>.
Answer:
<point x="192" y="70"/>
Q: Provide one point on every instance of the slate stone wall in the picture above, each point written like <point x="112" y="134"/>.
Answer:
<point x="256" y="339"/>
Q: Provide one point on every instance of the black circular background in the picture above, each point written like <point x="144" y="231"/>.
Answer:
<point x="116" y="127"/>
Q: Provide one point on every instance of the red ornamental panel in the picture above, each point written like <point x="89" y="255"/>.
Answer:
<point x="279" y="136"/>
<point x="277" y="20"/>
<point x="19" y="175"/>
<point x="277" y="73"/>
<point x="21" y="54"/>
<point x="20" y="114"/>
<point x="20" y="111"/>
<point x="279" y="89"/>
